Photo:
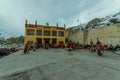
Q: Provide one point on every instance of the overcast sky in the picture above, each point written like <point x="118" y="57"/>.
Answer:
<point x="14" y="12"/>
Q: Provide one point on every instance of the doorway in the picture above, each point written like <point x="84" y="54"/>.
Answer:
<point x="47" y="41"/>
<point x="39" y="40"/>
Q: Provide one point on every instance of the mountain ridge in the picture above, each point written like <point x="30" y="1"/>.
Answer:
<point x="100" y="22"/>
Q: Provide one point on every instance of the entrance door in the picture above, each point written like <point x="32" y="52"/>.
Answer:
<point x="47" y="41"/>
<point x="39" y="40"/>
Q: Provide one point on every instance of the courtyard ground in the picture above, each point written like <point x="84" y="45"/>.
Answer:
<point x="59" y="64"/>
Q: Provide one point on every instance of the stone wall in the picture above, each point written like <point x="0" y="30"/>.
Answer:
<point x="107" y="35"/>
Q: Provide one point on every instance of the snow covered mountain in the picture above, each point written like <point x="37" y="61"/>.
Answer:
<point x="100" y="22"/>
<point x="107" y="19"/>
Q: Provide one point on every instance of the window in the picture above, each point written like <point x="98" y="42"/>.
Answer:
<point x="61" y="33"/>
<point x="54" y="33"/>
<point x="30" y="32"/>
<point x="46" y="33"/>
<point x="39" y="32"/>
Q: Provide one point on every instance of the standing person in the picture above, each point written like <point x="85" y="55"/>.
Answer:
<point x="46" y="45"/>
<point x="98" y="42"/>
<point x="100" y="49"/>
<point x="34" y="47"/>
<point x="92" y="46"/>
<point x="26" y="48"/>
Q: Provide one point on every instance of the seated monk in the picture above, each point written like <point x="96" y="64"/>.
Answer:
<point x="69" y="49"/>
<point x="55" y="45"/>
<point x="105" y="47"/>
<point x="97" y="47"/>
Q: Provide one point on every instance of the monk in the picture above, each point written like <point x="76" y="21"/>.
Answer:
<point x="26" y="48"/>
